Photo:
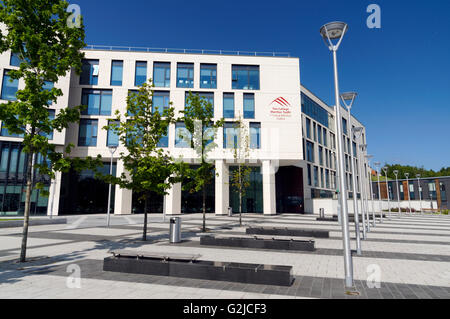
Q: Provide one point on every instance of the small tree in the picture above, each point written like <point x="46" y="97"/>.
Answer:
<point x="148" y="168"/>
<point x="199" y="121"/>
<point x="240" y="177"/>
<point x="48" y="48"/>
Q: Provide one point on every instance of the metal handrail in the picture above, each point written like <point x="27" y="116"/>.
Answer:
<point x="186" y="51"/>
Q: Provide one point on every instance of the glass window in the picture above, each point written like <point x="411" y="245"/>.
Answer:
<point x="355" y="152"/>
<point x="320" y="155"/>
<point x="316" y="176"/>
<point x="161" y="74"/>
<point x="255" y="135"/>
<point x="208" y="96"/>
<point x="411" y="191"/>
<point x="15" y="59"/>
<point x="141" y="73"/>
<point x="327" y="178"/>
<point x="310" y="152"/>
<point x="48" y="85"/>
<point x="344" y="126"/>
<point x="4" y="132"/>
<point x="230" y="135"/>
<point x="315" y="132"/>
<point x="325" y="137"/>
<point x="249" y="106"/>
<point x="116" y="73"/>
<point x="321" y="178"/>
<point x="315" y="111"/>
<point x="99" y="102"/>
<point x="308" y="128"/>
<point x="113" y="137"/>
<point x="9" y="87"/>
<point x="319" y="133"/>
<point x="51" y="117"/>
<point x="309" y="174"/>
<point x="432" y="190"/>
<point x="245" y="77"/>
<point x="164" y="141"/>
<point x="160" y="101"/>
<point x="185" y="75"/>
<point x="183" y="137"/>
<point x="87" y="135"/>
<point x="89" y="72"/>
<point x="228" y="105"/>
<point x="208" y="76"/>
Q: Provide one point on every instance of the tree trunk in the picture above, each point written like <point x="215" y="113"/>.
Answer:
<point x="240" y="196"/>
<point x="144" y="235"/>
<point x="23" y="250"/>
<point x="204" y="208"/>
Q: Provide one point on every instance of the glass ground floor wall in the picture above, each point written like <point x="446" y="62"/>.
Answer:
<point x="13" y="180"/>
<point x="83" y="193"/>
<point x="192" y="202"/>
<point x="155" y="203"/>
<point x="252" y="202"/>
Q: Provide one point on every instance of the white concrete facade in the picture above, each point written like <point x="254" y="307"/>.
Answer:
<point x="277" y="109"/>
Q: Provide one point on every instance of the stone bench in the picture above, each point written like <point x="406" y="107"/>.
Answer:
<point x="297" y="232"/>
<point x="189" y="266"/>
<point x="259" y="242"/>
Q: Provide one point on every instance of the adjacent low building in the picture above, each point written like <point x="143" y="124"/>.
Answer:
<point x="292" y="133"/>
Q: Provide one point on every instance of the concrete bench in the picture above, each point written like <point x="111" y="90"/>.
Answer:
<point x="259" y="242"/>
<point x="189" y="266"/>
<point x="296" y="232"/>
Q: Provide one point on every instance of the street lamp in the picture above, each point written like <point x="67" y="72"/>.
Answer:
<point x="385" y="169"/>
<point x="348" y="99"/>
<point x="336" y="31"/>
<point x="357" y="132"/>
<point x="398" y="194"/>
<point x="369" y="159"/>
<point x="420" y="195"/>
<point x="409" y="193"/>
<point x="112" y="150"/>
<point x="377" y="166"/>
<point x="363" y="148"/>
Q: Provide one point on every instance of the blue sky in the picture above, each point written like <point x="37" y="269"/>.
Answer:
<point x="401" y="71"/>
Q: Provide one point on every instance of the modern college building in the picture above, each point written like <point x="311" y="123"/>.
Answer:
<point x="292" y="132"/>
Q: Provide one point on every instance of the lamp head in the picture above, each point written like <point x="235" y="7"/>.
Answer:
<point x="333" y="30"/>
<point x="363" y="147"/>
<point x="407" y="175"/>
<point x="396" y="173"/>
<point x="377" y="164"/>
<point x="357" y="132"/>
<point x="385" y="169"/>
<point x="348" y="98"/>
<point x="112" y="149"/>
<point x="418" y="175"/>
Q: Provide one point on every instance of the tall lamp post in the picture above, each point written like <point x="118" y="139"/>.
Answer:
<point x="369" y="159"/>
<point x="398" y="194"/>
<point x="348" y="99"/>
<point x="420" y="195"/>
<point x="357" y="132"/>
<point x="377" y="166"/>
<point x="363" y="148"/>
<point x="409" y="193"/>
<point x="336" y="31"/>
<point x="385" y="169"/>
<point x="112" y="150"/>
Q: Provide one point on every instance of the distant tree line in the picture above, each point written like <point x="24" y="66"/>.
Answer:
<point x="413" y="171"/>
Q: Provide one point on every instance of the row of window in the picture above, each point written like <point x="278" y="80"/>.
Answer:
<point x="319" y="134"/>
<point x="326" y="157"/>
<point x="244" y="77"/>
<point x="412" y="195"/>
<point x="99" y="102"/>
<point x="326" y="177"/>
<point x="88" y="130"/>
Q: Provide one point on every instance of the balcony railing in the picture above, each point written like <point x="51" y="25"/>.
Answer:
<point x="187" y="51"/>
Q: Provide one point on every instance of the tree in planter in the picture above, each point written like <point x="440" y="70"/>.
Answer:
<point x="199" y="121"/>
<point x="240" y="177"/>
<point x="148" y="167"/>
<point x="38" y="32"/>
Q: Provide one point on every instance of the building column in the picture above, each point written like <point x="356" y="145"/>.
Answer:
<point x="123" y="200"/>
<point x="269" y="194"/>
<point x="54" y="194"/>
<point x="172" y="201"/>
<point x="222" y="188"/>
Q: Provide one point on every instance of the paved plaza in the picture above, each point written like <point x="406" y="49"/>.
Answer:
<point x="412" y="255"/>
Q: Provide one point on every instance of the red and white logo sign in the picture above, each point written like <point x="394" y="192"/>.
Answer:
<point x="280" y="109"/>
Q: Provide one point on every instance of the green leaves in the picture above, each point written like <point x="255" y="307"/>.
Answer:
<point x="148" y="167"/>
